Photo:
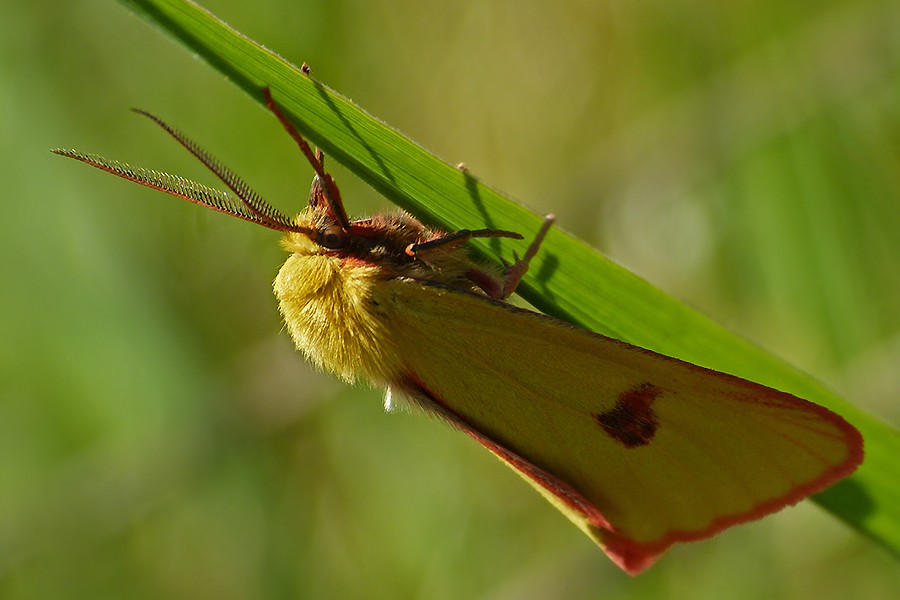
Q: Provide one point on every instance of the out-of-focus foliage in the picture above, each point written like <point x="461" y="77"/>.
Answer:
<point x="159" y="437"/>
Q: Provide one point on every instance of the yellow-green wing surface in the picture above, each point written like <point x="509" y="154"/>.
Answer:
<point x="638" y="449"/>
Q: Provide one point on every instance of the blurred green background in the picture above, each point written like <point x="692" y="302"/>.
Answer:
<point x="160" y="438"/>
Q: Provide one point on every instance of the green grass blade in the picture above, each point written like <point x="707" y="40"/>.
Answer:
<point x="568" y="279"/>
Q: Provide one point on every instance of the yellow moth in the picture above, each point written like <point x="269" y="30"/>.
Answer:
<point x="639" y="450"/>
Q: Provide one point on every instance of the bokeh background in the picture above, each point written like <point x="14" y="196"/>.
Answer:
<point x="159" y="438"/>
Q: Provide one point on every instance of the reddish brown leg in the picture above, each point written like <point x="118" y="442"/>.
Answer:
<point x="332" y="193"/>
<point x="518" y="269"/>
<point x="456" y="238"/>
<point x="484" y="280"/>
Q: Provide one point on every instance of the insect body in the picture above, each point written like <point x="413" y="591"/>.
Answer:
<point x="639" y="450"/>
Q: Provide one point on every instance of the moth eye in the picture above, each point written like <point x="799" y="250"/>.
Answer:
<point x="333" y="238"/>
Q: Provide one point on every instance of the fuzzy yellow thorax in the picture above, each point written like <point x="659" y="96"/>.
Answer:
<point x="334" y="314"/>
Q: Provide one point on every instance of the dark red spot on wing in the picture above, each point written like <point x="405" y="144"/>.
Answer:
<point x="631" y="421"/>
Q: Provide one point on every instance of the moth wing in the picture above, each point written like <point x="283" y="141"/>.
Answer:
<point x="638" y="449"/>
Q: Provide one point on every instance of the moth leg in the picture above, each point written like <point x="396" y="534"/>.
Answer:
<point x="451" y="240"/>
<point x="484" y="280"/>
<point x="517" y="270"/>
<point x="316" y="160"/>
<point x="487" y="282"/>
<point x="313" y="157"/>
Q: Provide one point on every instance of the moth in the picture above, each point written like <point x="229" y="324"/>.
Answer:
<point x="637" y="449"/>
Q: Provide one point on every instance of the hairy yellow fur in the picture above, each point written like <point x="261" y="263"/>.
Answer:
<point x="333" y="317"/>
